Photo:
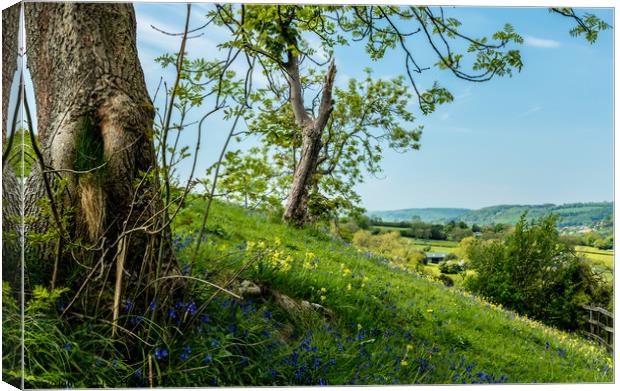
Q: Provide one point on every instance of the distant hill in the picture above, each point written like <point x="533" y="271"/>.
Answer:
<point x="577" y="214"/>
<point x="429" y="215"/>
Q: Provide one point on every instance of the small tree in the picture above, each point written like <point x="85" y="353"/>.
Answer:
<point x="532" y="272"/>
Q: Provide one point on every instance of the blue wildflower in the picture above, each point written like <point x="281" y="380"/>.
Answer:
<point x="267" y="315"/>
<point x="207" y="359"/>
<point x="191" y="308"/>
<point x="128" y="305"/>
<point x="138" y="373"/>
<point x="68" y="347"/>
<point x="547" y="345"/>
<point x="172" y="313"/>
<point x="160" y="353"/>
<point x="152" y="305"/>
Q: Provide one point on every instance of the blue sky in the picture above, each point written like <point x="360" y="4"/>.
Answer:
<point x="544" y="135"/>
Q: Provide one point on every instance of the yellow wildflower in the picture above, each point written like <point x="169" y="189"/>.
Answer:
<point x="409" y="347"/>
<point x="323" y="297"/>
<point x="403" y="363"/>
<point x="349" y="287"/>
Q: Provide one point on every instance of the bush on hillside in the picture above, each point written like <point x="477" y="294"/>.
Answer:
<point x="532" y="272"/>
<point x="451" y="267"/>
<point x="390" y="245"/>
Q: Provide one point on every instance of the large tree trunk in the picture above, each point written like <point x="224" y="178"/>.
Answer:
<point x="296" y="211"/>
<point x="94" y="128"/>
<point x="11" y="186"/>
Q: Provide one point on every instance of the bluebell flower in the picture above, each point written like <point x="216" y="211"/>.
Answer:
<point x="547" y="345"/>
<point x="191" y="308"/>
<point x="322" y="382"/>
<point x="185" y="353"/>
<point x="267" y="315"/>
<point x="172" y="313"/>
<point x="68" y="347"/>
<point x="215" y="343"/>
<point x="138" y="373"/>
<point x="160" y="353"/>
<point x="152" y="305"/>
<point x="205" y="318"/>
<point x="207" y="359"/>
<point x="128" y="305"/>
<point x="273" y="373"/>
<point x="115" y="363"/>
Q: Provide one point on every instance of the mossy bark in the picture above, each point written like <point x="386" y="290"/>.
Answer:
<point x="84" y="63"/>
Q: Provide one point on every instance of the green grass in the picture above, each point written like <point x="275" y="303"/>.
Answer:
<point x="389" y="324"/>
<point x="441" y="246"/>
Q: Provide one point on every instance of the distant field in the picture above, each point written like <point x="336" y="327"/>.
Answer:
<point x="602" y="260"/>
<point x="388" y="229"/>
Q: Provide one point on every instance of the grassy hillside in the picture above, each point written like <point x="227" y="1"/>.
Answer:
<point x="578" y="214"/>
<point x="380" y="323"/>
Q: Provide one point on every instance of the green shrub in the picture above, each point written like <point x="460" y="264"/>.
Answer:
<point x="532" y="272"/>
<point x="451" y="267"/>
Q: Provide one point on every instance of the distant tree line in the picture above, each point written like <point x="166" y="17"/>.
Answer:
<point x="453" y="230"/>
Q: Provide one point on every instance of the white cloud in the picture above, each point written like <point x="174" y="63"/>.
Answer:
<point x="531" y="110"/>
<point x="541" y="42"/>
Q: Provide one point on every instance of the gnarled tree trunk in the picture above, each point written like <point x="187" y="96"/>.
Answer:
<point x="296" y="211"/>
<point x="95" y="132"/>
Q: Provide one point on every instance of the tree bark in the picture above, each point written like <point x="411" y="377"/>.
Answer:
<point x="11" y="186"/>
<point x="296" y="211"/>
<point x="95" y="122"/>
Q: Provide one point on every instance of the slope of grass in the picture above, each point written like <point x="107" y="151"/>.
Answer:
<point x="387" y="324"/>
